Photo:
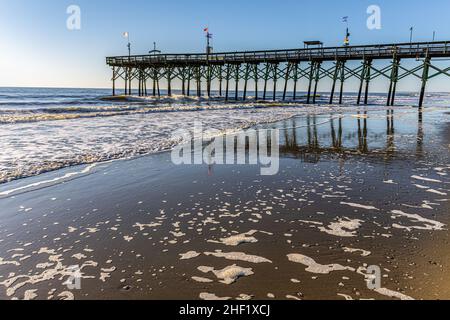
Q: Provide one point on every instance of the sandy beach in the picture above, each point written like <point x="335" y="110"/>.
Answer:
<point x="355" y="190"/>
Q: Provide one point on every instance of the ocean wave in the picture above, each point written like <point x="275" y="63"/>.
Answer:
<point x="41" y="148"/>
<point x="45" y="183"/>
<point x="48" y="146"/>
<point x="71" y="113"/>
<point x="49" y="129"/>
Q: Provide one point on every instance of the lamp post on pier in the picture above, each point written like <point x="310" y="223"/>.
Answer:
<point x="126" y="35"/>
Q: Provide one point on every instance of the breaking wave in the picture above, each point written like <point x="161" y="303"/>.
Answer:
<point x="42" y="130"/>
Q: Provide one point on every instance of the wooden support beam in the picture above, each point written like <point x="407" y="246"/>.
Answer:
<point x="368" y="77"/>
<point x="247" y="70"/>
<point x="318" y="66"/>
<point x="130" y="78"/>
<point x="169" y="81"/>
<point x="114" y="82"/>
<point x="361" y="83"/>
<point x="208" y="80"/>
<point x="199" y="82"/>
<point x="183" y="81"/>
<point x="311" y="76"/>
<point x="255" y="76"/>
<point x="391" y="81"/>
<point x="266" y="78"/>
<point x="154" y="82"/>
<point x="275" y="78"/>
<point x="426" y="70"/>
<point x="145" y="86"/>
<point x="395" y="81"/>
<point x="236" y="79"/>
<point x="341" y="93"/>
<point x="335" y="77"/>
<point x="394" y="91"/>
<point x="227" y="82"/>
<point x="139" y="83"/>
<point x="126" y="81"/>
<point x="288" y="71"/>
<point x="189" y="78"/>
<point x="157" y="84"/>
<point x="295" y="80"/>
<point x="220" y="80"/>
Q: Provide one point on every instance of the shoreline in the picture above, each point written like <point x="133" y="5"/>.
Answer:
<point x="270" y="118"/>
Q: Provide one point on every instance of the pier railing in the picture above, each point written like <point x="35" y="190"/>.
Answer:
<point x="404" y="50"/>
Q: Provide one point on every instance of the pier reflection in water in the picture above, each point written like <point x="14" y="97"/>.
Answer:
<point x="362" y="133"/>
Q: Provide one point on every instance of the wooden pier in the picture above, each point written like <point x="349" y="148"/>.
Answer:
<point x="281" y="67"/>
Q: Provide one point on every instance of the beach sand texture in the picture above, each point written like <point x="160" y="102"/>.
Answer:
<point x="354" y="190"/>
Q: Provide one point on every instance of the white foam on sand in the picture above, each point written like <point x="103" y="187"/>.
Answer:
<point x="364" y="253"/>
<point x="393" y="294"/>
<point x="30" y="294"/>
<point x="426" y="179"/>
<point x="345" y="296"/>
<point x="440" y="193"/>
<point x="189" y="255"/>
<point x="359" y="206"/>
<point x="15" y="282"/>
<point x="229" y="274"/>
<point x="429" y="224"/>
<point x="212" y="297"/>
<point x="238" y="256"/>
<point x="142" y="226"/>
<point x="202" y="280"/>
<point x="106" y="273"/>
<point x="314" y="267"/>
<point x="238" y="239"/>
<point x="344" y="227"/>
<point x="66" y="295"/>
<point x="3" y="262"/>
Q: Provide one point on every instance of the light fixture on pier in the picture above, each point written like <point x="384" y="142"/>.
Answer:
<point x="126" y="35"/>
<point x="154" y="51"/>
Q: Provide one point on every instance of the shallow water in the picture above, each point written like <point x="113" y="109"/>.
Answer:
<point x="47" y="129"/>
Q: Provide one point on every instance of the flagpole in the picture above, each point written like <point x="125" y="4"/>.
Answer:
<point x="347" y="34"/>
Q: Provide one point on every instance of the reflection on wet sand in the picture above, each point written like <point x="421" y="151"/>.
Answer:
<point x="309" y="137"/>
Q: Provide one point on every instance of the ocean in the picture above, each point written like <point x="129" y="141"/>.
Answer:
<point x="42" y="130"/>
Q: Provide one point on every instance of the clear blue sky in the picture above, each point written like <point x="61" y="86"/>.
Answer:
<point x="38" y="49"/>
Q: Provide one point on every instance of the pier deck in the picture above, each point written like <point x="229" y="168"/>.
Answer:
<point x="281" y="66"/>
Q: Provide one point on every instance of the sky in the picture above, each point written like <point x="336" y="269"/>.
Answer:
<point x="38" y="50"/>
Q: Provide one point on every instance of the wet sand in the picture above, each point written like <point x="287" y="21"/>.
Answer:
<point x="354" y="190"/>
